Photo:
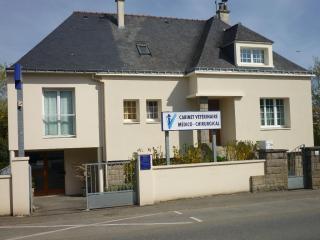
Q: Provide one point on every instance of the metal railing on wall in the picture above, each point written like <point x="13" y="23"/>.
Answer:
<point x="5" y="171"/>
<point x="110" y="177"/>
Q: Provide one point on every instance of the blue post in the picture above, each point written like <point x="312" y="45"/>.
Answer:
<point x="19" y="88"/>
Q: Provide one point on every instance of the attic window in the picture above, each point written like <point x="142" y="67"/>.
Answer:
<point x="143" y="49"/>
<point x="249" y="55"/>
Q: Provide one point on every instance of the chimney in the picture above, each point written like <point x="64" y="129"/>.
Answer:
<point x="120" y="9"/>
<point x="223" y="12"/>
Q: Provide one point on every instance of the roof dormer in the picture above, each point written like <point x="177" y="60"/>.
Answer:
<point x="250" y="49"/>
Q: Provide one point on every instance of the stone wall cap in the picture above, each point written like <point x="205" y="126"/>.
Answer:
<point x="211" y="164"/>
<point x="16" y="159"/>
<point x="311" y="148"/>
<point x="5" y="176"/>
<point x="273" y="150"/>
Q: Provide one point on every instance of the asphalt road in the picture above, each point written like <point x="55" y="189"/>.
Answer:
<point x="266" y="216"/>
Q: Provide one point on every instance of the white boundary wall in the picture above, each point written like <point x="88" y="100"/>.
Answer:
<point x="195" y="180"/>
<point x="15" y="196"/>
<point x="5" y="195"/>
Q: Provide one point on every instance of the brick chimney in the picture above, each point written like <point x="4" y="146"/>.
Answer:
<point x="223" y="12"/>
<point x="120" y="11"/>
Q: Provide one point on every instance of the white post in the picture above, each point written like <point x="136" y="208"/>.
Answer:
<point x="145" y="183"/>
<point x="20" y="186"/>
<point x="100" y="170"/>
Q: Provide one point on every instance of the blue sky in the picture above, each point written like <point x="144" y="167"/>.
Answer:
<point x="293" y="25"/>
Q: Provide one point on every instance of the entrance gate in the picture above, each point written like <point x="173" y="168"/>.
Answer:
<point x="299" y="169"/>
<point x="110" y="184"/>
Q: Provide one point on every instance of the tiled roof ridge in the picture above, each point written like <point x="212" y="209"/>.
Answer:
<point x="141" y="15"/>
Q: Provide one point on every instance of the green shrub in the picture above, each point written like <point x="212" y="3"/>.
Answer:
<point x="4" y="153"/>
<point x="241" y="150"/>
<point x="158" y="158"/>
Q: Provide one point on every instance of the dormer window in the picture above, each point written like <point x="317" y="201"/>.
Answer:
<point x="253" y="55"/>
<point x="249" y="55"/>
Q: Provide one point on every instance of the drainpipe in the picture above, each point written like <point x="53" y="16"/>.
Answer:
<point x="101" y="152"/>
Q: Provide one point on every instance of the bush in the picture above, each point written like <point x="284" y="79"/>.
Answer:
<point x="188" y="154"/>
<point x="241" y="150"/>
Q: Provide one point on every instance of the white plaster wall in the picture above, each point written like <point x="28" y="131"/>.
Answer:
<point x="72" y="159"/>
<point x="122" y="138"/>
<point x="228" y="124"/>
<point x="20" y="173"/>
<point x="187" y="181"/>
<point x="239" y="97"/>
<point x="247" y="107"/>
<point x="5" y="196"/>
<point x="86" y="108"/>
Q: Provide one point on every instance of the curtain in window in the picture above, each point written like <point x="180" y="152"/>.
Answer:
<point x="67" y="113"/>
<point x="50" y="112"/>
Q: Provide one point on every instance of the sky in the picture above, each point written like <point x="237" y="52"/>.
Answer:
<point x="293" y="25"/>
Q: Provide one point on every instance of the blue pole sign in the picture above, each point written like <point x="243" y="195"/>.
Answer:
<point x="18" y="76"/>
<point x="145" y="162"/>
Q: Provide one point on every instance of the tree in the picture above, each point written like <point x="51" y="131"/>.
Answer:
<point x="3" y="84"/>
<point x="4" y="154"/>
<point x="316" y="101"/>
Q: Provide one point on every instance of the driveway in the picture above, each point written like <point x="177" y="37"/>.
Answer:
<point x="265" y="216"/>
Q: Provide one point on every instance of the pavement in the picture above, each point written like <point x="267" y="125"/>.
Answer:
<point x="57" y="205"/>
<point x="262" y="216"/>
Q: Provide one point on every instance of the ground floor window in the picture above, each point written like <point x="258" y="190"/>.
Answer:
<point x="272" y="112"/>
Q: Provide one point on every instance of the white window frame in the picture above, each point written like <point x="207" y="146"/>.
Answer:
<point x="154" y="120"/>
<point x="137" y="119"/>
<point x="251" y="52"/>
<point x="268" y="54"/>
<point x="58" y="91"/>
<point x="275" y="113"/>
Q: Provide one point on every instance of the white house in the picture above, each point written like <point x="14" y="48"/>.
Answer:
<point x="95" y="87"/>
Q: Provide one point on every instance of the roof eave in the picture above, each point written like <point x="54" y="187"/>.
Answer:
<point x="251" y="72"/>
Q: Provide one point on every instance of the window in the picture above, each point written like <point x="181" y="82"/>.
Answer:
<point x="130" y="110"/>
<point x="258" y="56"/>
<point x="245" y="55"/>
<point x="252" y="55"/>
<point x="59" y="114"/>
<point x="143" y="49"/>
<point x="272" y="112"/>
<point x="153" y="110"/>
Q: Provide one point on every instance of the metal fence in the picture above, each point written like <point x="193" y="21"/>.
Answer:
<point x="5" y="171"/>
<point x="110" y="184"/>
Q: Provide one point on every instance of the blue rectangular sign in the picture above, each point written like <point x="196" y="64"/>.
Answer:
<point x="145" y="162"/>
<point x="17" y="76"/>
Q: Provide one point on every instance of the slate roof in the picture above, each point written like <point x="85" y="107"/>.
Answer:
<point x="92" y="42"/>
<point x="241" y="33"/>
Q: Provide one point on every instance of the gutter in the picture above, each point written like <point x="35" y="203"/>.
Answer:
<point x="250" y="72"/>
<point x="210" y="71"/>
